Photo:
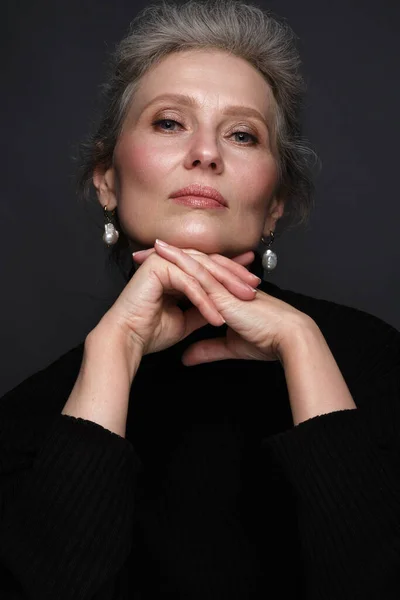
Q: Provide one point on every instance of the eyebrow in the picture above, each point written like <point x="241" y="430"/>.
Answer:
<point x="191" y="102"/>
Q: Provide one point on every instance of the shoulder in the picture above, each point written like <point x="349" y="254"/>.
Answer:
<point x="330" y="314"/>
<point x="363" y="344"/>
<point x="47" y="387"/>
<point x="28" y="409"/>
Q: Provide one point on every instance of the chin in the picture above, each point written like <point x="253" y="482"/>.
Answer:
<point x="196" y="242"/>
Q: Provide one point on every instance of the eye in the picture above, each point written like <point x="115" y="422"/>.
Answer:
<point x="168" y="122"/>
<point x="168" y="125"/>
<point x="253" y="138"/>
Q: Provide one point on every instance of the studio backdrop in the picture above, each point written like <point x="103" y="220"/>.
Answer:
<point x="56" y="282"/>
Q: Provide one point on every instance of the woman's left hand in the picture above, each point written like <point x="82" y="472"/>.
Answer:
<point x="259" y="326"/>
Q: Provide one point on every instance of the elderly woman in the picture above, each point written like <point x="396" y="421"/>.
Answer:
<point x="214" y="436"/>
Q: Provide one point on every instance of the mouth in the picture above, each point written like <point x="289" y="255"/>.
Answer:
<point x="200" y="196"/>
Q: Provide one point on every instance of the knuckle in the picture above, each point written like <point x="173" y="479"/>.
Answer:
<point x="153" y="259"/>
<point x="201" y="270"/>
<point x="191" y="281"/>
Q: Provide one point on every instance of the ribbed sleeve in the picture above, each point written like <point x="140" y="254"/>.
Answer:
<point x="344" y="468"/>
<point x="66" y="522"/>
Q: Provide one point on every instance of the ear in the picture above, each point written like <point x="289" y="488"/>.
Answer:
<point x="275" y="212"/>
<point x="104" y="181"/>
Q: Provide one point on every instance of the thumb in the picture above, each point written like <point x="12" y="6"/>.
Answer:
<point x="207" y="351"/>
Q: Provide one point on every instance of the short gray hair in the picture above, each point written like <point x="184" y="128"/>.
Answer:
<point x="265" y="40"/>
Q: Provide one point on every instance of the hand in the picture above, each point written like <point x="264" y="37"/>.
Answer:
<point x="257" y="329"/>
<point x="147" y="309"/>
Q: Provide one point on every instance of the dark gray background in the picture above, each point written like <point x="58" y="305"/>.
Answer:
<point x="55" y="281"/>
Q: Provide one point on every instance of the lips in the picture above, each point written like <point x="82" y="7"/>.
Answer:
<point x="204" y="191"/>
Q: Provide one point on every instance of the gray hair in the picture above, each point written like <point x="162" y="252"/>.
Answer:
<point x="258" y="36"/>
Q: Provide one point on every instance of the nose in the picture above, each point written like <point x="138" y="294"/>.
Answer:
<point x="204" y="153"/>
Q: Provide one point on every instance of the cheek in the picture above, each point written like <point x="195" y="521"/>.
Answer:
<point x="258" y="180"/>
<point x="139" y="163"/>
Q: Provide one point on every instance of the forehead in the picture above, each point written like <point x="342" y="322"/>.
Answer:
<point x="213" y="77"/>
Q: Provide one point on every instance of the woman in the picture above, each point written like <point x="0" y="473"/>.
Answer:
<point x="214" y="436"/>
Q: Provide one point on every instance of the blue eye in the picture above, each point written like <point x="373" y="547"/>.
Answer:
<point x="165" y="121"/>
<point x="253" y="137"/>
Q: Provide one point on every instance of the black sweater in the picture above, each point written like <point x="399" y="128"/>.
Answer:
<point x="213" y="494"/>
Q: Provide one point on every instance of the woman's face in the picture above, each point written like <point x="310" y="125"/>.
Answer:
<point x="198" y="117"/>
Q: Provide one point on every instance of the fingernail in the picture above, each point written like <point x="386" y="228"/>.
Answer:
<point x="257" y="279"/>
<point x="161" y="243"/>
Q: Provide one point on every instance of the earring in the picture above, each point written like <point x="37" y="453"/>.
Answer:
<point x="110" y="235"/>
<point x="269" y="257"/>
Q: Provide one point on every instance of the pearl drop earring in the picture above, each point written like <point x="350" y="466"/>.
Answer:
<point x="269" y="257"/>
<point x="110" y="235"/>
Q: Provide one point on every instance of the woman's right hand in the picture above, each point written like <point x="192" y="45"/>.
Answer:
<point x="147" y="308"/>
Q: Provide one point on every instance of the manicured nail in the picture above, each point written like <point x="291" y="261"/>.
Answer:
<point x="161" y="243"/>
<point x="137" y="253"/>
<point x="256" y="279"/>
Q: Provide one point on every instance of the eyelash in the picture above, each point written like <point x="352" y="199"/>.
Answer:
<point x="254" y="138"/>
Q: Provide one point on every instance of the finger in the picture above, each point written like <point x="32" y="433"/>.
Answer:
<point x="172" y="278"/>
<point x="217" y="264"/>
<point x="141" y="255"/>
<point x="194" y="320"/>
<point x="228" y="272"/>
<point x="209" y="277"/>
<point x="243" y="259"/>
<point x="231" y="264"/>
<point x="206" y="351"/>
<point x="176" y="279"/>
<point x="238" y="268"/>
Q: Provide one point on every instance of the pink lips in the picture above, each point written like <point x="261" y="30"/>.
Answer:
<point x="196" y="192"/>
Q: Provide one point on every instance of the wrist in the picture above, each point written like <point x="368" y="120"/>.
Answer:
<point x="315" y="383"/>
<point x="113" y="338"/>
<point x="296" y="335"/>
<point x="102" y="389"/>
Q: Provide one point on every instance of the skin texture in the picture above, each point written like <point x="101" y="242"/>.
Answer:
<point x="197" y="144"/>
<point x="201" y="143"/>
